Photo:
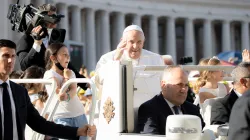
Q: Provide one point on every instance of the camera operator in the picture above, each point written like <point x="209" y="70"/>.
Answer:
<point x="31" y="51"/>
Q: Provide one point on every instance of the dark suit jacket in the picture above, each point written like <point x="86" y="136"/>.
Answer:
<point x="190" y="95"/>
<point x="28" y="56"/>
<point x="221" y="108"/>
<point x="152" y="115"/>
<point x="239" y="122"/>
<point x="27" y="114"/>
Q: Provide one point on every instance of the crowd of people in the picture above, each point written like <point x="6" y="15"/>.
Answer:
<point x="40" y="59"/>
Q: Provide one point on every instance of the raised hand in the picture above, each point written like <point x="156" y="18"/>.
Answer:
<point x="120" y="49"/>
<point x="245" y="55"/>
<point x="37" y="32"/>
<point x="67" y="73"/>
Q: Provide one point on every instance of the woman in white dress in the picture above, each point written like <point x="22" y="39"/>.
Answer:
<point x="208" y="85"/>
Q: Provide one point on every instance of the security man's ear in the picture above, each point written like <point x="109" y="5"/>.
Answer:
<point x="243" y="81"/>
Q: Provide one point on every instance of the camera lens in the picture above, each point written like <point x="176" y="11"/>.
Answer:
<point x="55" y="35"/>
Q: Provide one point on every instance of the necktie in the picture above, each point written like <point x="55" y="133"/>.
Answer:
<point x="8" y="123"/>
<point x="176" y="110"/>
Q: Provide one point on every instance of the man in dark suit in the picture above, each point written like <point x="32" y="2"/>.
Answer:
<point x="239" y="122"/>
<point x="221" y="108"/>
<point x="152" y="114"/>
<point x="31" y="52"/>
<point x="16" y="110"/>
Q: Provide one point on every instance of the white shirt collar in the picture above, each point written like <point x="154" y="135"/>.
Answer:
<point x="237" y="93"/>
<point x="46" y="41"/>
<point x="7" y="81"/>
<point x="169" y="103"/>
<point x="171" y="107"/>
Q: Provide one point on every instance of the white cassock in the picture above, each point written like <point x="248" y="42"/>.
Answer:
<point x="142" y="83"/>
<point x="146" y="88"/>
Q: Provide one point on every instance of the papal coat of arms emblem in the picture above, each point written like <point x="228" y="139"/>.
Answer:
<point x="108" y="110"/>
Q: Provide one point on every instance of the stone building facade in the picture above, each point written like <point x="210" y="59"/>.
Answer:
<point x="197" y="28"/>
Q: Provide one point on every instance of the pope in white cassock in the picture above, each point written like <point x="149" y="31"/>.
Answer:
<point x="130" y="48"/>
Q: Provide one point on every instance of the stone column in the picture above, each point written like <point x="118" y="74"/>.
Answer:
<point x="214" y="40"/>
<point x="232" y="36"/>
<point x="153" y="34"/>
<point x="118" y="27"/>
<point x="189" y="39"/>
<point x="76" y="24"/>
<point x="90" y="39"/>
<point x="5" y="25"/>
<point x="136" y="20"/>
<point x="105" y="32"/>
<point x="171" y="37"/>
<point x="120" y="23"/>
<point x="64" y="23"/>
<point x="98" y="35"/>
<point x="207" y="38"/>
<point x="226" y="46"/>
<point x="83" y="25"/>
<point x="245" y="35"/>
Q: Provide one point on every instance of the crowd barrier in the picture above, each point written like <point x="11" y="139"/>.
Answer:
<point x="36" y="136"/>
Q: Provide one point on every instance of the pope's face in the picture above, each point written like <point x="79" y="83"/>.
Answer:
<point x="135" y="42"/>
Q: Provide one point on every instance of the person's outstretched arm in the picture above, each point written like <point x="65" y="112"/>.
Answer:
<point x="41" y="125"/>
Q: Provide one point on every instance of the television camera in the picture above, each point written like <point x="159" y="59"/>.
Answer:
<point x="24" y="19"/>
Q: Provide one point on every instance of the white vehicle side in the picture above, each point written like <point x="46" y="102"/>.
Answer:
<point x="124" y="91"/>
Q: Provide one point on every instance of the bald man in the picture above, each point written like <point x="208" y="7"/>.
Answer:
<point x="130" y="48"/>
<point x="152" y="114"/>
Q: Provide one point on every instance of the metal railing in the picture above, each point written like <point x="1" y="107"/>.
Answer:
<point x="224" y="79"/>
<point x="227" y="69"/>
<point x="42" y="81"/>
<point x="185" y="67"/>
<point x="64" y="87"/>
